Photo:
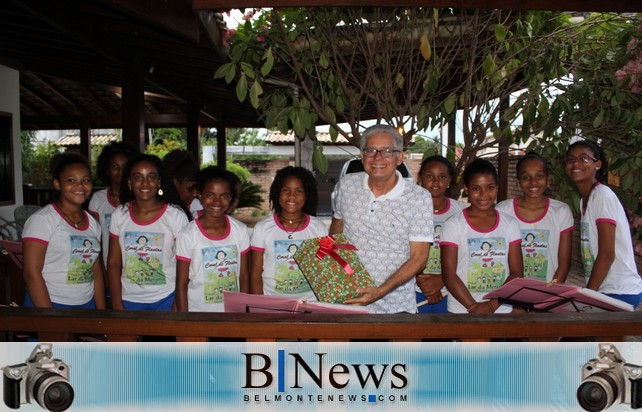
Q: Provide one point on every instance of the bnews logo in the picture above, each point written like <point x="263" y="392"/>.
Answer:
<point x="260" y="372"/>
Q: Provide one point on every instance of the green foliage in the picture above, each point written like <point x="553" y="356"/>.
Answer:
<point x="300" y="66"/>
<point x="163" y="147"/>
<point x="35" y="166"/>
<point x="250" y="195"/>
<point x="595" y="105"/>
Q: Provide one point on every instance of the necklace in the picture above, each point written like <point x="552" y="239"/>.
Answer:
<point x="290" y="233"/>
<point x="82" y="218"/>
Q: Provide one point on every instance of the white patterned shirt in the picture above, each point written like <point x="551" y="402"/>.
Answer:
<point x="382" y="228"/>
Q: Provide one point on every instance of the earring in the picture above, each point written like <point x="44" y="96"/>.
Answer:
<point x="160" y="191"/>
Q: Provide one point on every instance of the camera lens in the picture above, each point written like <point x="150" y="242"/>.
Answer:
<point x="597" y="392"/>
<point x="53" y="392"/>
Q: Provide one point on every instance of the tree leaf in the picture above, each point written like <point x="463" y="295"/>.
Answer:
<point x="266" y="68"/>
<point x="424" y="47"/>
<point x="400" y="80"/>
<point x="449" y="103"/>
<point x="500" y="32"/>
<point x="224" y="69"/>
<point x="319" y="160"/>
<point x="248" y="70"/>
<point x="323" y="60"/>
<point x="597" y="122"/>
<point x="241" y="88"/>
<point x="255" y="92"/>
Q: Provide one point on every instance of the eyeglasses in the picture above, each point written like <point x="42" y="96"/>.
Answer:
<point x="386" y="153"/>
<point x="581" y="159"/>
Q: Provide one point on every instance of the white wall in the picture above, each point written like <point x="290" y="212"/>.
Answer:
<point x="10" y="103"/>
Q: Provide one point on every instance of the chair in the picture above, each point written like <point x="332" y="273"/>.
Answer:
<point x="14" y="250"/>
<point x="21" y="214"/>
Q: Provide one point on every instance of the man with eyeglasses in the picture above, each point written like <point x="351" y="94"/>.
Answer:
<point x="388" y="219"/>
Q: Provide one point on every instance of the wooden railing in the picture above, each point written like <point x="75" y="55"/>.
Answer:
<point x="62" y="325"/>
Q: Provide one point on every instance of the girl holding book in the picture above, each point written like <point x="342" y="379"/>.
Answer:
<point x="604" y="227"/>
<point x="546" y="224"/>
<point x="273" y="270"/>
<point x="480" y="247"/>
<point x="212" y="251"/>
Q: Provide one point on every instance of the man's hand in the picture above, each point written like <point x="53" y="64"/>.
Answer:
<point x="369" y="294"/>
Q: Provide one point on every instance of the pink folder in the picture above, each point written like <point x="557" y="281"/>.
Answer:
<point x="247" y="303"/>
<point x="544" y="297"/>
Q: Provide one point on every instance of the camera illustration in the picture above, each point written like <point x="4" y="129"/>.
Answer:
<point x="40" y="379"/>
<point x="608" y="380"/>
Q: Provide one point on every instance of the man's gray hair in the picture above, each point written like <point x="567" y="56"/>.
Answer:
<point x="397" y="139"/>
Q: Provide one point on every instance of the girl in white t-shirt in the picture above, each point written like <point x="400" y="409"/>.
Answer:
<point x="273" y="270"/>
<point x="61" y="243"/>
<point x="546" y="224"/>
<point x="605" y="237"/>
<point x="141" y="266"/>
<point x="480" y="247"/>
<point x="109" y="168"/>
<point x="212" y="251"/>
<point x="435" y="175"/>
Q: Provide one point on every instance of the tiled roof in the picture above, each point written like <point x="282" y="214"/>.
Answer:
<point x="96" y="139"/>
<point x="274" y="137"/>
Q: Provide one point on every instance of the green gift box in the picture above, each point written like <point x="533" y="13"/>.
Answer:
<point x="332" y="268"/>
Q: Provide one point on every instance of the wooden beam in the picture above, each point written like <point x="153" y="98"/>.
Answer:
<point x="554" y="5"/>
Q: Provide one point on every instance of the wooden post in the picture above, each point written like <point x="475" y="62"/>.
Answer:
<point x="134" y="107"/>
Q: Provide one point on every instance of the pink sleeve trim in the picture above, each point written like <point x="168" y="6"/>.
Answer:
<point x="515" y="242"/>
<point x="34" y="239"/>
<point x="568" y="229"/>
<point x="605" y="220"/>
<point x="113" y="235"/>
<point x="258" y="249"/>
<point x="442" y="243"/>
<point x="183" y="259"/>
<point x="246" y="251"/>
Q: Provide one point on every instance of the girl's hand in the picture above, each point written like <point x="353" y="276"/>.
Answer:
<point x="429" y="284"/>
<point x="482" y="307"/>
<point x="434" y="298"/>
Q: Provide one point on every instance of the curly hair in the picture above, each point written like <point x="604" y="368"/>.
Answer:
<point x="104" y="158"/>
<point x="170" y="195"/>
<point x="308" y="181"/>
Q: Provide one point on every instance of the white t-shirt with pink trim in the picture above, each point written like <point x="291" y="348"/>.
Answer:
<point x="281" y="274"/>
<point x="433" y="264"/>
<point x="148" y="252"/>
<point x="70" y="256"/>
<point x="604" y="206"/>
<point x="101" y="207"/>
<point x="482" y="256"/>
<point x="214" y="263"/>
<point x="541" y="237"/>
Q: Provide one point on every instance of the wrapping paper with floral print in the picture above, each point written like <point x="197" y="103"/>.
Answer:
<point x="332" y="268"/>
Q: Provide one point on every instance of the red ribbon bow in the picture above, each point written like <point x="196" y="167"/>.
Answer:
<point x="327" y="246"/>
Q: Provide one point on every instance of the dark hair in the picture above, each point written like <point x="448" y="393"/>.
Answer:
<point x="170" y="195"/>
<point x="598" y="153"/>
<point x="532" y="156"/>
<point x="61" y="161"/>
<point x="109" y="151"/>
<point x="309" y="187"/>
<point x="216" y="173"/>
<point x="440" y="159"/>
<point x="479" y="167"/>
<point x="180" y="165"/>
